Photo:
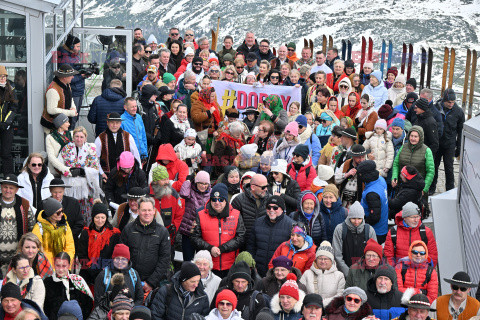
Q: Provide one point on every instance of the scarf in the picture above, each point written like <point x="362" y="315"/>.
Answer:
<point x="306" y="134"/>
<point x="286" y="144"/>
<point x="67" y="92"/>
<point x="231" y="141"/>
<point x="204" y="97"/>
<point x="183" y="125"/>
<point x="275" y="105"/>
<point x="115" y="148"/>
<point x="351" y="112"/>
<point x="42" y="266"/>
<point x="97" y="240"/>
<point x="62" y="138"/>
<point x="77" y="281"/>
<point x="57" y="236"/>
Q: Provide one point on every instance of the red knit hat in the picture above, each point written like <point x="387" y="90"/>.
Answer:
<point x="373" y="245"/>
<point x="121" y="250"/>
<point x="228" y="295"/>
<point x="290" y="287"/>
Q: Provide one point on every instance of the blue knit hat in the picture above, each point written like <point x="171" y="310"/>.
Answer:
<point x="301" y="120"/>
<point x="70" y="308"/>
<point x="219" y="191"/>
<point x="398" y="122"/>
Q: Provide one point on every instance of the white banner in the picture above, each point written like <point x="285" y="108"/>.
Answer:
<point x="241" y="96"/>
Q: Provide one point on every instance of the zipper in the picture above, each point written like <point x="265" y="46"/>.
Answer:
<point x="219" y="242"/>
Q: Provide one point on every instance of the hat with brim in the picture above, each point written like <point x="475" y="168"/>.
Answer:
<point x="65" y="70"/>
<point x="419" y="301"/>
<point x="11" y="179"/>
<point x="357" y="150"/>
<point x="349" y="133"/>
<point x="57" y="183"/>
<point x="134" y="193"/>
<point x="250" y="110"/>
<point x="461" y="279"/>
<point x="114" y="116"/>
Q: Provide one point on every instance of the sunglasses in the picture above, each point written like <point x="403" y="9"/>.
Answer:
<point x="174" y="34"/>
<point x="455" y="288"/>
<point x="274" y="77"/>
<point x="198" y="64"/>
<point x="240" y="67"/>
<point x="300" y="127"/>
<point x="422" y="253"/>
<point x="296" y="154"/>
<point x="148" y="51"/>
<point x="261" y="187"/>
<point x="272" y="207"/>
<point x="217" y="200"/>
<point x="350" y="299"/>
<point x="36" y="165"/>
<point x="226" y="304"/>
<point x="188" y="34"/>
<point x="59" y="212"/>
<point x="344" y="87"/>
<point x="291" y="49"/>
<point x="230" y="73"/>
<point x="214" y="71"/>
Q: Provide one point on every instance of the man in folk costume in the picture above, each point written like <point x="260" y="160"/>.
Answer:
<point x="112" y="142"/>
<point x="167" y="201"/>
<point x="58" y="98"/>
<point x="457" y="305"/>
<point x="418" y="306"/>
<point x="16" y="219"/>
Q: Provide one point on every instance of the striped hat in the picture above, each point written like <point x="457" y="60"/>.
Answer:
<point x="121" y="302"/>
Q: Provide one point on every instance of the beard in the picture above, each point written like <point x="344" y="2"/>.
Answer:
<point x="161" y="191"/>
<point x="382" y="289"/>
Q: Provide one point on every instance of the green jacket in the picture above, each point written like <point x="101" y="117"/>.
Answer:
<point x="419" y="156"/>
<point x="358" y="275"/>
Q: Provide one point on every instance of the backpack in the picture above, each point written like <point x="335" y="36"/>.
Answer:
<point x="108" y="276"/>
<point x="393" y="234"/>
<point x="366" y="229"/>
<point x="151" y="295"/>
<point x="428" y="275"/>
<point x="248" y="314"/>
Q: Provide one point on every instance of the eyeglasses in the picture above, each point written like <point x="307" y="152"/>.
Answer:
<point x="455" y="288"/>
<point x="226" y="304"/>
<point x="239" y="67"/>
<point x="217" y="199"/>
<point x="188" y="34"/>
<point x="272" y="207"/>
<point x="149" y="51"/>
<point x="344" y="87"/>
<point x="214" y="71"/>
<point x="23" y="268"/>
<point x="261" y="187"/>
<point x="296" y="154"/>
<point x="291" y="49"/>
<point x="174" y="34"/>
<point x="275" y="173"/>
<point x="262" y="130"/>
<point x="371" y="256"/>
<point x="120" y="259"/>
<point x="274" y="77"/>
<point x="264" y="46"/>
<point x="422" y="253"/>
<point x="36" y="165"/>
<point x="230" y="73"/>
<point x="350" y="299"/>
<point x="116" y="67"/>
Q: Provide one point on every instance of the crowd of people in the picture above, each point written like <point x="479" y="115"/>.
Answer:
<point x="279" y="212"/>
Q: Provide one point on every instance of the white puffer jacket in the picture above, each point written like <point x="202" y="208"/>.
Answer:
<point x="382" y="149"/>
<point x="329" y="283"/>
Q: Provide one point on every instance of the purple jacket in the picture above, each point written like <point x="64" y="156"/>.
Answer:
<point x="194" y="200"/>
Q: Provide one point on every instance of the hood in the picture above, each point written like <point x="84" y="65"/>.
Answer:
<point x="419" y="130"/>
<point x="418" y="243"/>
<point x="334" y="208"/>
<point x="166" y="152"/>
<point x="377" y="74"/>
<point x="346" y="81"/>
<point x="319" y="272"/>
<point x="114" y="94"/>
<point x="275" y="303"/>
<point x="308" y="244"/>
<point x="331" y="98"/>
<point x="316" y="209"/>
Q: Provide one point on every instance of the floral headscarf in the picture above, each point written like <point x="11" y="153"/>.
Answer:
<point x="275" y="105"/>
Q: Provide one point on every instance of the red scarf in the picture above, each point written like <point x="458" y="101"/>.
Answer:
<point x="204" y="97"/>
<point x="231" y="141"/>
<point x="353" y="111"/>
<point x="97" y="241"/>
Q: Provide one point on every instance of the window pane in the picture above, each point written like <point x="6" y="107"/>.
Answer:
<point x="60" y="26"/>
<point x="13" y="44"/>
<point x="48" y="32"/>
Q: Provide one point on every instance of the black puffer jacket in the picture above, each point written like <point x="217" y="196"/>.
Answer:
<point x="271" y="286"/>
<point x="453" y="120"/>
<point x="113" y="191"/>
<point x="149" y="250"/>
<point x="409" y="191"/>
<point x="169" y="303"/>
<point x="316" y="226"/>
<point x="430" y="130"/>
<point x="149" y="116"/>
<point x="265" y="238"/>
<point x="247" y="205"/>
<point x="292" y="191"/>
<point x="384" y="305"/>
<point x="71" y="207"/>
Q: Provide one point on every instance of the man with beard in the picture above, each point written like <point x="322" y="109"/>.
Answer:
<point x="383" y="295"/>
<point x="111" y="143"/>
<point x="167" y="201"/>
<point x="264" y="52"/>
<point x="124" y="176"/>
<point x="251" y="203"/>
<point x="458" y="305"/>
<point x="197" y="69"/>
<point x="346" y="178"/>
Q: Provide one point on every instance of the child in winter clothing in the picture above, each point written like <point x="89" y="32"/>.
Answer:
<point x="380" y="144"/>
<point x="366" y="118"/>
<point x="293" y="111"/>
<point x="189" y="150"/>
<point x="324" y="130"/>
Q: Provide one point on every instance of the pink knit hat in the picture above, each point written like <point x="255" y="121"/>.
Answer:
<point x="381" y="123"/>
<point x="202" y="177"/>
<point x="292" y="128"/>
<point x="127" y="160"/>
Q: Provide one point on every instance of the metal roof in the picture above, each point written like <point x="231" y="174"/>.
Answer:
<point x="40" y="5"/>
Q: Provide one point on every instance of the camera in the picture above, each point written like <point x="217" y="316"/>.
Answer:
<point x="87" y="69"/>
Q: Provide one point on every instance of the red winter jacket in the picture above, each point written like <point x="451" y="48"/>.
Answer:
<point x="334" y="86"/>
<point x="171" y="209"/>
<point x="301" y="177"/>
<point x="416" y="273"/>
<point x="177" y="169"/>
<point x="181" y="70"/>
<point x="302" y="258"/>
<point x="405" y="236"/>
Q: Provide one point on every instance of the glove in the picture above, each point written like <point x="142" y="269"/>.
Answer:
<point x="457" y="152"/>
<point x="76" y="172"/>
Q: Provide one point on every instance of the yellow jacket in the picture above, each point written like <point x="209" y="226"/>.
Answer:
<point x="45" y="238"/>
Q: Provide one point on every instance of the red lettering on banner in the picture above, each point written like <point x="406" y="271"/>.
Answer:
<point x="285" y="101"/>
<point x="252" y="99"/>
<point x="241" y="100"/>
<point x="262" y="97"/>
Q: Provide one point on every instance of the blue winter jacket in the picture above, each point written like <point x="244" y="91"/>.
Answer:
<point x="379" y="187"/>
<point x="332" y="217"/>
<point x="111" y="100"/>
<point x="134" y="126"/>
<point x="313" y="144"/>
<point x="379" y="93"/>
<point x="78" y="82"/>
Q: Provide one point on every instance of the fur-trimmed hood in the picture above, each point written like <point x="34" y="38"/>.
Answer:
<point x="275" y="303"/>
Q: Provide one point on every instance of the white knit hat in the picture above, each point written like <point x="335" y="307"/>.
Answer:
<point x="203" y="254"/>
<point x="325" y="173"/>
<point x="249" y="150"/>
<point x="326" y="250"/>
<point x="190" y="133"/>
